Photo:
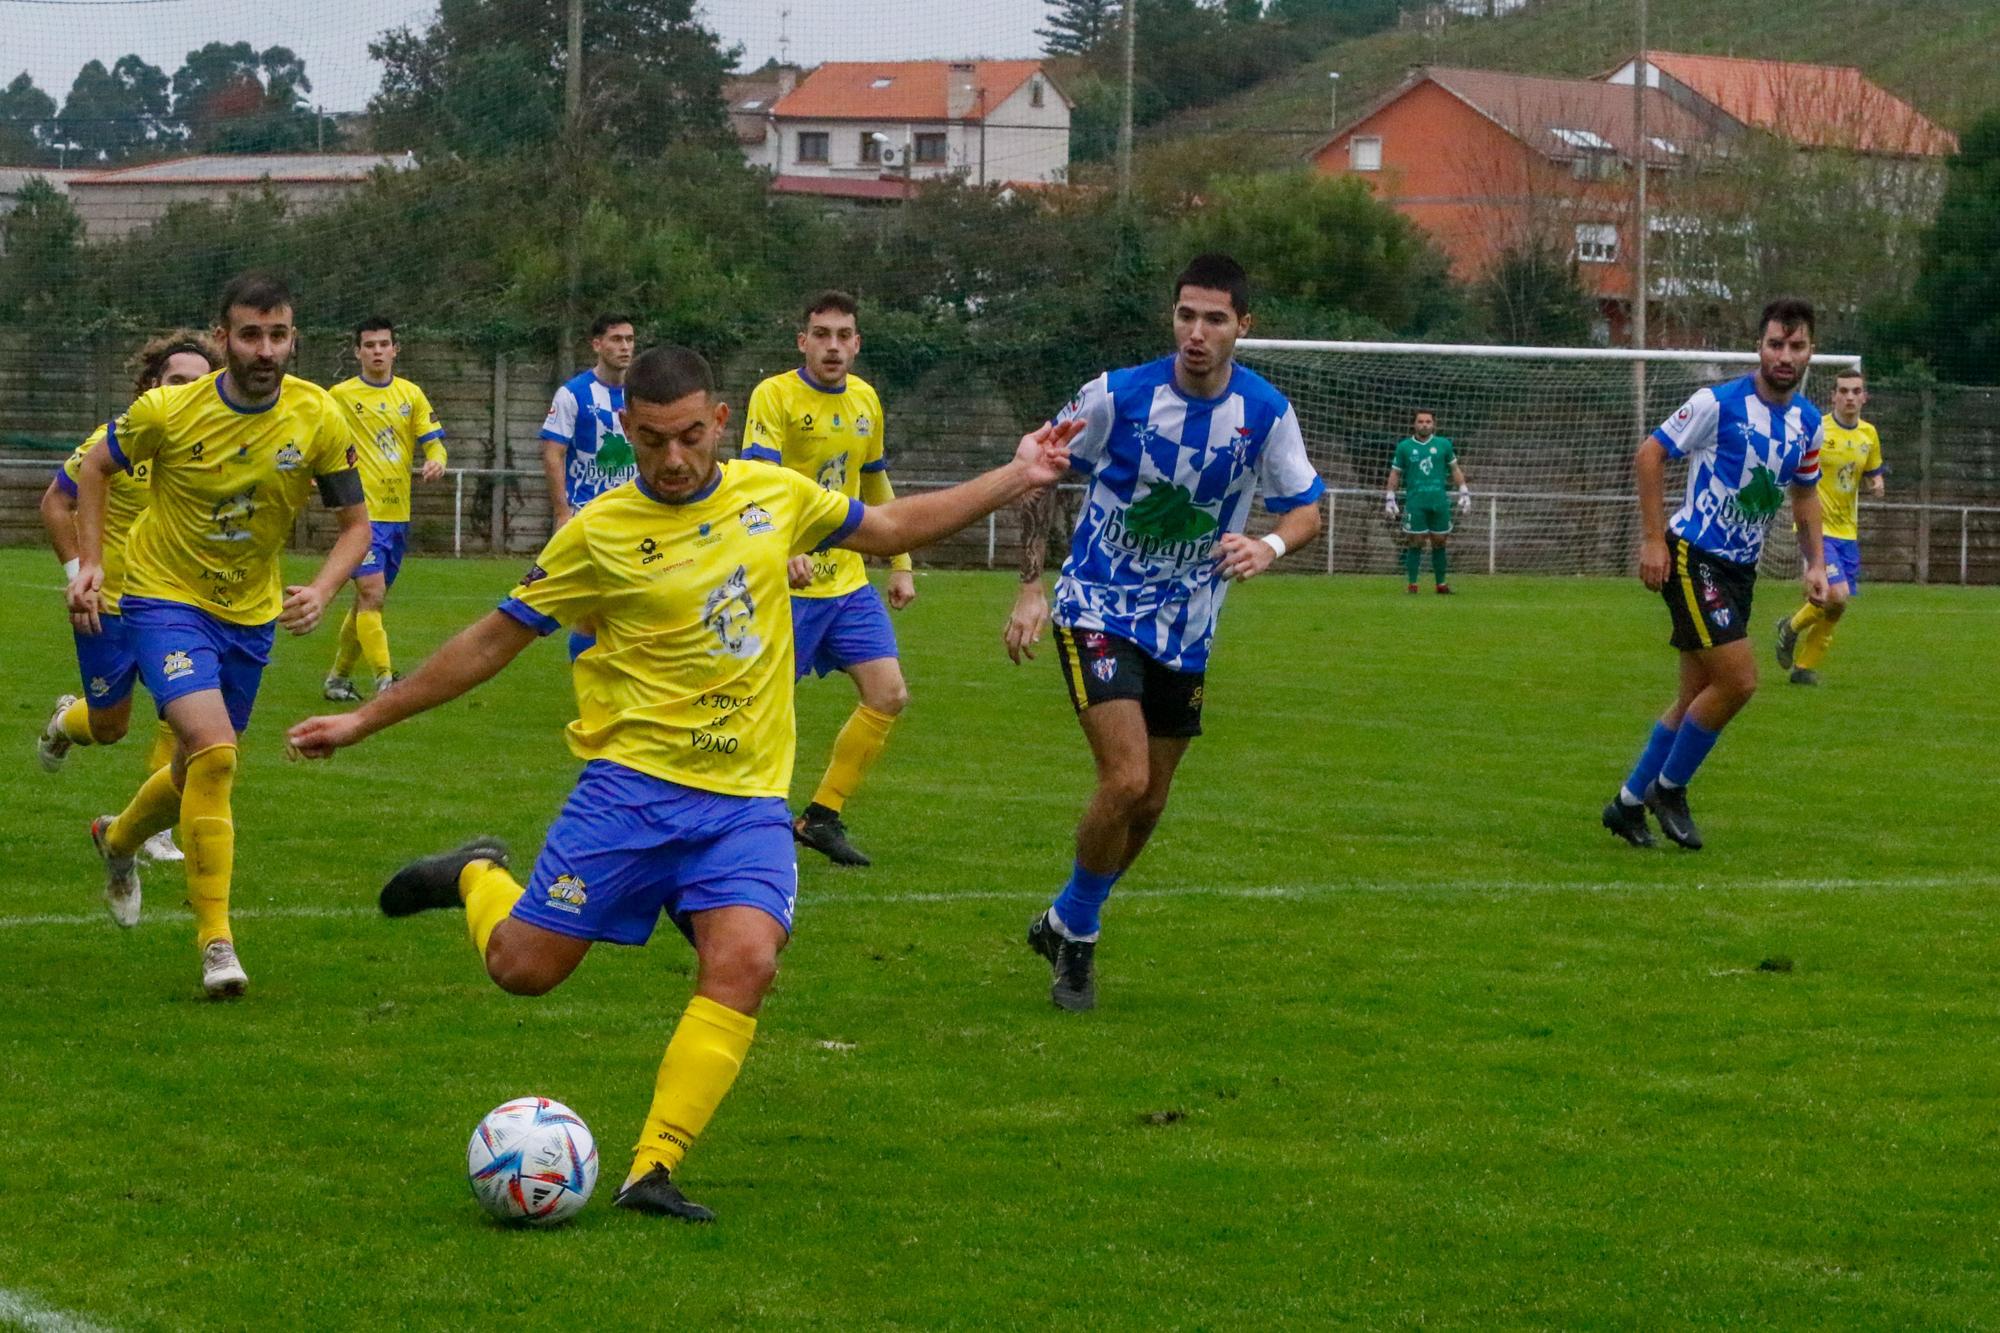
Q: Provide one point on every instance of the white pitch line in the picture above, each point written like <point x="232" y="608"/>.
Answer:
<point x="24" y="1311"/>
<point x="1251" y="892"/>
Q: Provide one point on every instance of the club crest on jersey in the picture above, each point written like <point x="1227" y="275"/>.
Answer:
<point x="1104" y="668"/>
<point x="405" y="410"/>
<point x="836" y="421"/>
<point x="832" y="473"/>
<point x="534" y="575"/>
<point x="177" y="664"/>
<point x="728" y="614"/>
<point x="567" y="895"/>
<point x="863" y="425"/>
<point x="99" y="687"/>
<point x="289" y="458"/>
<point x="755" y="518"/>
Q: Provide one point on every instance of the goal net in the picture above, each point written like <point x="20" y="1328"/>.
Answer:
<point x="1545" y="437"/>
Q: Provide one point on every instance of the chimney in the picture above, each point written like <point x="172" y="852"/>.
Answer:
<point x="788" y="79"/>
<point x="960" y="94"/>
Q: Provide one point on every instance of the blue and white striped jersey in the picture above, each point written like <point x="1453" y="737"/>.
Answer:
<point x="583" y="418"/>
<point x="1169" y="475"/>
<point x="1742" y="453"/>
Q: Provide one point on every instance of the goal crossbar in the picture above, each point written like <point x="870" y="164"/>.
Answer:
<point x="1507" y="353"/>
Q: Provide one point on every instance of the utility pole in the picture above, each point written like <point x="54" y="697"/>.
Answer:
<point x="1125" y="120"/>
<point x="1333" y="102"/>
<point x="1641" y="223"/>
<point x="573" y="239"/>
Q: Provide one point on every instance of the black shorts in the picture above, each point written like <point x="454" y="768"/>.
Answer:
<point x="1099" y="667"/>
<point x="1707" y="597"/>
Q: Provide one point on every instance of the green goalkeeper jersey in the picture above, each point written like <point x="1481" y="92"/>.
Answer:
<point x="1426" y="467"/>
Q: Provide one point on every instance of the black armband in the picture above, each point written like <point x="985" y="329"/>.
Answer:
<point x="338" y="490"/>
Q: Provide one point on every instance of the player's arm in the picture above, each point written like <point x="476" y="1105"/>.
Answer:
<point x="430" y="438"/>
<point x="93" y="488"/>
<point x="1464" y="491"/>
<point x="1876" y="468"/>
<point x="918" y="520"/>
<point x="1807" y="520"/>
<point x="305" y="603"/>
<point x="876" y="492"/>
<point x="1395" y="484"/>
<point x="58" y="509"/>
<point x="1029" y="616"/>
<point x="1292" y="490"/>
<point x="1246" y="557"/>
<point x="472" y="657"/>
<point x="558" y="433"/>
<point x="1649" y="465"/>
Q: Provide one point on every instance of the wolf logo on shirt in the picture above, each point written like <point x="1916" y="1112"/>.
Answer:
<point x="729" y="612"/>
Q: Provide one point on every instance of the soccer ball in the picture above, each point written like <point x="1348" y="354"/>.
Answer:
<point x="532" y="1161"/>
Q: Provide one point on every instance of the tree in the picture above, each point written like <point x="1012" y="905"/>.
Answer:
<point x="487" y="77"/>
<point x="231" y="98"/>
<point x="27" y="123"/>
<point x="112" y="113"/>
<point x="41" y="266"/>
<point x="1958" y="284"/>
<point x="1075" y="27"/>
<point x="1534" y="296"/>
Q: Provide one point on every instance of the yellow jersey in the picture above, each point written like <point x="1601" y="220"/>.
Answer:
<point x="126" y="500"/>
<point x="834" y="438"/>
<point x="1845" y="457"/>
<point x="394" y="423"/>
<point x="227" y="483"/>
<point x="690" y="679"/>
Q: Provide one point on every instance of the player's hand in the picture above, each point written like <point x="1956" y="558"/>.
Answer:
<point x="304" y="605"/>
<point x="1243" y="557"/>
<point x="902" y="588"/>
<point x="84" y="596"/>
<point x="1876" y="487"/>
<point x="1816" y="584"/>
<point x="1044" y="453"/>
<point x="432" y="470"/>
<point x="1389" y="505"/>
<point x="1026" y="622"/>
<point x="1464" y="500"/>
<point x="799" y="572"/>
<point x="319" y="737"/>
<point x="1653" y="563"/>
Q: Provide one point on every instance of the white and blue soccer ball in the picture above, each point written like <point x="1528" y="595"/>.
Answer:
<point x="532" y="1161"/>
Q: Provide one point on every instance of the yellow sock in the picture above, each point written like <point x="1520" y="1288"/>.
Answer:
<point x="1806" y="617"/>
<point x="210" y="827"/>
<point x="349" y="650"/>
<point x="701" y="1062"/>
<point x="855" y="750"/>
<point x="1813" y="647"/>
<point x="162" y="753"/>
<point x="490" y="894"/>
<point x="74" y="723"/>
<point x="157" y="805"/>
<point x="374" y="640"/>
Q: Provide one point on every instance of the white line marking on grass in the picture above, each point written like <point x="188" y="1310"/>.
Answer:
<point x="23" y="1311"/>
<point x="1324" y="889"/>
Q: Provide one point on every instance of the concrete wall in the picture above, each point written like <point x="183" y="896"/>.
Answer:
<point x="112" y="210"/>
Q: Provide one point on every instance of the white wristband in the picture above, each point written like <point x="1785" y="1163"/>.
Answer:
<point x="1276" y="543"/>
<point x="70" y="567"/>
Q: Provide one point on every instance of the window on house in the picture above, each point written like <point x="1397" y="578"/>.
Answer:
<point x="1364" y="154"/>
<point x="871" y="149"/>
<point x="1588" y="140"/>
<point x="880" y="83"/>
<point x="1035" y="93"/>
<point x="931" y="149"/>
<point x="1596" y="243"/>
<point x="812" y="145"/>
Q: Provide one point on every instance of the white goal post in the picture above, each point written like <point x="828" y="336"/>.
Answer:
<point x="1545" y="436"/>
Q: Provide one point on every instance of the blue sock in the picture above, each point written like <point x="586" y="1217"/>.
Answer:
<point x="1691" y="745"/>
<point x="1081" y="899"/>
<point x="1658" y="746"/>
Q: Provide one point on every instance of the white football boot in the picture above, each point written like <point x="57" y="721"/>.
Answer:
<point x="222" y="976"/>
<point x="160" y="847"/>
<point x="121" y="877"/>
<point x="52" y="747"/>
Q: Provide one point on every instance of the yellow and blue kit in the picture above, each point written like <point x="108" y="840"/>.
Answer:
<point x="394" y="425"/>
<point x="105" y="659"/>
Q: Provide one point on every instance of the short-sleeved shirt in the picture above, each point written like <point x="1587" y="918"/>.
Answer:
<point x="690" y="679"/>
<point x="829" y="435"/>
<point x="1426" y="465"/>
<point x="1742" y="452"/>
<point x="1845" y="458"/>
<point x="227" y="483"/>
<point x="126" y="500"/>
<point x="583" y="419"/>
<point x="1169" y="475"/>
<point x="394" y="423"/>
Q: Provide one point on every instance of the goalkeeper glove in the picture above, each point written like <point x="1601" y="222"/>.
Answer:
<point x="1389" y="504"/>
<point x="1464" y="500"/>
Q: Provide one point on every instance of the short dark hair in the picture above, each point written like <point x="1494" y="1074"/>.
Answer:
<point x="254" y="291"/>
<point x="603" y="324"/>
<point x="1217" y="272"/>
<point x="1850" y="373"/>
<point x="667" y="375"/>
<point x="1788" y="313"/>
<point x="371" y="324"/>
<point x="830" y="299"/>
<point x="1423" y="412"/>
<point x="149" y="363"/>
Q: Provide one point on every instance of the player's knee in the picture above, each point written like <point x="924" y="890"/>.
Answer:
<point x="518" y="975"/>
<point x="739" y="973"/>
<point x="888" y="698"/>
<point x="1123" y="787"/>
<point x="1836" y="605"/>
<point x="369" y="599"/>
<point x="109" y="728"/>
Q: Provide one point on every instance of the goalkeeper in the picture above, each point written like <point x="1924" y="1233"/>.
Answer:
<point x="1424" y="459"/>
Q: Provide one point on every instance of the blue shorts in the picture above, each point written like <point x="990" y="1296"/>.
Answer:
<point x="106" y="662"/>
<point x="386" y="544"/>
<point x="183" y="651"/>
<point x="628" y="846"/>
<point x="831" y="634"/>
<point x="1843" y="562"/>
<point x="580" y="643"/>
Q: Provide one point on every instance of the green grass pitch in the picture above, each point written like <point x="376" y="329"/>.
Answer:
<point x="1391" y="1033"/>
